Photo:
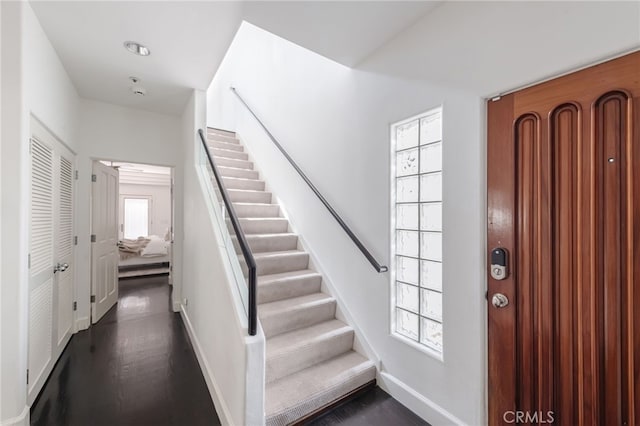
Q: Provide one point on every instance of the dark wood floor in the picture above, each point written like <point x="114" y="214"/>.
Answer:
<point x="374" y="407"/>
<point x="135" y="367"/>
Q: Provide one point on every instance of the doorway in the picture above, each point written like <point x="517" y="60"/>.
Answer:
<point x="563" y="201"/>
<point x="140" y="225"/>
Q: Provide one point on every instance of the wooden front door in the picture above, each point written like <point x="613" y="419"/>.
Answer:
<point x="564" y="203"/>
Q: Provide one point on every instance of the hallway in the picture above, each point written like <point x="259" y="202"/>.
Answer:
<point x="135" y="367"/>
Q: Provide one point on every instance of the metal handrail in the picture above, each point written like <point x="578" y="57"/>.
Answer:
<point x="336" y="216"/>
<point x="242" y="239"/>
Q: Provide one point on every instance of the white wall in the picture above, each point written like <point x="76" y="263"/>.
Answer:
<point x="334" y="121"/>
<point x="111" y="132"/>
<point x="160" y="205"/>
<point x="33" y="82"/>
<point x="211" y="305"/>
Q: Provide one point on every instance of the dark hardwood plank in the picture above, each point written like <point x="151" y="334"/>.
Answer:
<point x="135" y="366"/>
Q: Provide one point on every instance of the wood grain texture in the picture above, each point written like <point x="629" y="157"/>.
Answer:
<point x="563" y="197"/>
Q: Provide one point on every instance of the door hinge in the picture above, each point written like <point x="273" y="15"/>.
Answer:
<point x="75" y="240"/>
<point x="75" y="306"/>
<point x="27" y="376"/>
<point x="29" y="260"/>
<point x="94" y="178"/>
<point x="93" y="238"/>
<point x="76" y="175"/>
<point x="93" y="299"/>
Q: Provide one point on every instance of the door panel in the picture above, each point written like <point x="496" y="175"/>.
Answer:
<point x="64" y="250"/>
<point x="563" y="199"/>
<point x="104" y="251"/>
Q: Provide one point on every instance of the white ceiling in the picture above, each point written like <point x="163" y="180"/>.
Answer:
<point x="345" y="31"/>
<point x="188" y="40"/>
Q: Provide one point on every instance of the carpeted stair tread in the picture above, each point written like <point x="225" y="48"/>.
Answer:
<point x="297" y="312"/>
<point x="226" y="145"/>
<point x="232" y="162"/>
<point x="228" y="153"/>
<point x="227" y="171"/>
<point x="263" y="243"/>
<point x="257" y="210"/>
<point x="296" y="350"/>
<point x="243" y="183"/>
<point x="294" y="396"/>
<point x="281" y="261"/>
<point x="286" y="285"/>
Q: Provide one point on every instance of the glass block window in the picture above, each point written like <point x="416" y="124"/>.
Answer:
<point x="417" y="229"/>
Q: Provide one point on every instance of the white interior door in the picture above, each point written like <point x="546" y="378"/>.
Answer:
<point x="104" y="250"/>
<point x="51" y="257"/>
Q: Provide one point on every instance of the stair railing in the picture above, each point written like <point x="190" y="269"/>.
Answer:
<point x="252" y="309"/>
<point x="376" y="265"/>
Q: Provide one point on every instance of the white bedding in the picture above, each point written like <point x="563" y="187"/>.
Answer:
<point x="157" y="250"/>
<point x="155" y="247"/>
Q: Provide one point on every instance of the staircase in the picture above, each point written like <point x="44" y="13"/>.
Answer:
<point x="310" y="361"/>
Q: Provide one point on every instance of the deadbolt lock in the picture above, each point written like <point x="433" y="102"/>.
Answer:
<point x="499" y="264"/>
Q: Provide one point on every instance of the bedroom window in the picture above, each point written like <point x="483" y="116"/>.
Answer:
<point x="136" y="217"/>
<point x="416" y="287"/>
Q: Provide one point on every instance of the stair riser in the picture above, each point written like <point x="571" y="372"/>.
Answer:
<point x="230" y="154"/>
<point x="255" y="185"/>
<point x="250" y="197"/>
<point x="212" y="137"/>
<point x="264" y="226"/>
<point x="318" y="351"/>
<point x="263" y="244"/>
<point x="225" y="145"/>
<point x="285" y="289"/>
<point x="230" y="162"/>
<point x="298" y="318"/>
<point x="239" y="173"/>
<point x="257" y="210"/>
<point x="285" y="263"/>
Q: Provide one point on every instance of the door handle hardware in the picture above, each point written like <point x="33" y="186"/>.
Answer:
<point x="60" y="267"/>
<point x="499" y="300"/>
<point x="499" y="269"/>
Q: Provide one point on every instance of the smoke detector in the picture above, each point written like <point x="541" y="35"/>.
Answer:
<point x="139" y="90"/>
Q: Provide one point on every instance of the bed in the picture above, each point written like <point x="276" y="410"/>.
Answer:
<point x="144" y="256"/>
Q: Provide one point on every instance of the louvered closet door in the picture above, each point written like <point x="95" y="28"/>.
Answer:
<point x="41" y="275"/>
<point x="51" y="244"/>
<point x="64" y="248"/>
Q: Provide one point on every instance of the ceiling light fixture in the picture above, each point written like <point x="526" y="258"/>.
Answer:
<point x="137" y="48"/>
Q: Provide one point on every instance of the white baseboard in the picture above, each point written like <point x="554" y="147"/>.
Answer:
<point x="82" y="323"/>
<point x="410" y="398"/>
<point x="214" y="390"/>
<point x="20" y="420"/>
<point x="177" y="306"/>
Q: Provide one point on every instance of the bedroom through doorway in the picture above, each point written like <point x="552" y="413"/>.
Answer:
<point x="145" y="216"/>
